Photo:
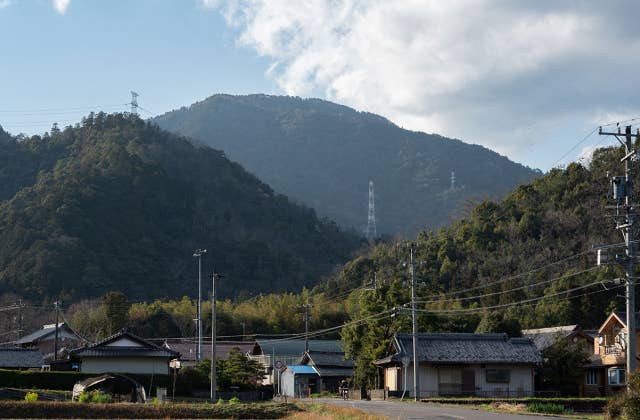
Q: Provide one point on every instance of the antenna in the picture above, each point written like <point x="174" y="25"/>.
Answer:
<point x="134" y="103"/>
<point x="371" y="219"/>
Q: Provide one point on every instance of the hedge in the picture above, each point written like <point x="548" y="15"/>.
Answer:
<point x="31" y="379"/>
<point x="66" y="410"/>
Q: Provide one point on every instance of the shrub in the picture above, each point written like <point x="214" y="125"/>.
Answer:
<point x="547" y="408"/>
<point x="220" y="401"/>
<point x="98" y="396"/>
<point x="84" y="397"/>
<point x="234" y="400"/>
<point x="31" y="396"/>
<point x="614" y="407"/>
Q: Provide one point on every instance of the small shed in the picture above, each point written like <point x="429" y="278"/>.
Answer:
<point x="298" y="381"/>
<point x="332" y="368"/>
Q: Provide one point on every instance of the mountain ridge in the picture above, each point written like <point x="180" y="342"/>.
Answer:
<point x="324" y="154"/>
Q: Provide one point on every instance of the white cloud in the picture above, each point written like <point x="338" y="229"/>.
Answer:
<point x="61" y="6"/>
<point x="490" y="72"/>
<point x="4" y="3"/>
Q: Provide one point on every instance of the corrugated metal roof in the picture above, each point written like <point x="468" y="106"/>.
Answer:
<point x="302" y="370"/>
<point x="21" y="358"/>
<point x="466" y="348"/>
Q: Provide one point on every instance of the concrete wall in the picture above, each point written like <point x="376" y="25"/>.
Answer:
<point x="139" y="365"/>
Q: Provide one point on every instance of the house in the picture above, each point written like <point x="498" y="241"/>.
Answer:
<point x="543" y="338"/>
<point x="332" y="368"/>
<point x="298" y="381"/>
<point x="188" y="349"/>
<point x="124" y="353"/>
<point x="44" y="340"/>
<point x="606" y="373"/>
<point x="20" y="359"/>
<point x="284" y="352"/>
<point x="487" y="365"/>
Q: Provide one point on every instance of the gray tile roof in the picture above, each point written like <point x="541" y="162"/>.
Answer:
<point x="450" y="348"/>
<point x="48" y="332"/>
<point x="543" y="338"/>
<point x="20" y="358"/>
<point x="144" y="349"/>
<point x="188" y="348"/>
<point x="323" y="358"/>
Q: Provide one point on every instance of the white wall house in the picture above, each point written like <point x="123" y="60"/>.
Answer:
<point x="125" y="353"/>
<point x="487" y="365"/>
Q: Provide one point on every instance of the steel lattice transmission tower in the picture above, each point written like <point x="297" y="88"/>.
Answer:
<point x="134" y="103"/>
<point x="371" y="219"/>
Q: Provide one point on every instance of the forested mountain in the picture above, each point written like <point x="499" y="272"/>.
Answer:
<point x="116" y="203"/>
<point x="324" y="155"/>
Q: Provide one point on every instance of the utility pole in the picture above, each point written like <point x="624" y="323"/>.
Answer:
<point x="244" y="324"/>
<point x="56" y="305"/>
<point x="414" y="321"/>
<point x="622" y="193"/>
<point x="306" y="307"/>
<point x="213" y="337"/>
<point x="198" y="254"/>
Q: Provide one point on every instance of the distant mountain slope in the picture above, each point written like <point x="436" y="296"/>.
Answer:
<point x="324" y="155"/>
<point x="118" y="204"/>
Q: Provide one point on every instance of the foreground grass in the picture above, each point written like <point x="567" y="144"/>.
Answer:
<point x="68" y="410"/>
<point x="321" y="411"/>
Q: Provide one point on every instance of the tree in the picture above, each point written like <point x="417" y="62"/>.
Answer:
<point x="563" y="368"/>
<point x="117" y="310"/>
<point x="238" y="370"/>
<point x="495" y="322"/>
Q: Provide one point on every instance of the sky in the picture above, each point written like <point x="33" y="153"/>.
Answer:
<point x="530" y="80"/>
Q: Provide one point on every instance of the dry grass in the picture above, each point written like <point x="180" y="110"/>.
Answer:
<point x="319" y="411"/>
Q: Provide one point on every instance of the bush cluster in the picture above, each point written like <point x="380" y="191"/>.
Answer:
<point x="626" y="405"/>
<point x="47" y="409"/>
<point x="31" y="396"/>
<point x="95" y="396"/>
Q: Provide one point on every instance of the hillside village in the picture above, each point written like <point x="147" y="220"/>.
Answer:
<point x="319" y="210"/>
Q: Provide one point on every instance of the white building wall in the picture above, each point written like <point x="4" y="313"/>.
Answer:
<point x="521" y="381"/>
<point x="137" y="365"/>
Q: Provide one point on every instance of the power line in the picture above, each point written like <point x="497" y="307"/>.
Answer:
<point x="510" y="290"/>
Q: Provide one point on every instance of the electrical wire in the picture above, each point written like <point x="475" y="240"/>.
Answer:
<point x="510" y="290"/>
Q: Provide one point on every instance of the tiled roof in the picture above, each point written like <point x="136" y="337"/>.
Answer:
<point x="296" y="347"/>
<point x="189" y="348"/>
<point x="20" y="358"/>
<point x="342" y="372"/>
<point x="545" y="337"/>
<point x="334" y="359"/>
<point x="45" y="331"/>
<point x="465" y="348"/>
<point x="144" y="348"/>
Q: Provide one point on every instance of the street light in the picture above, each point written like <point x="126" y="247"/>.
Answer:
<point x="198" y="254"/>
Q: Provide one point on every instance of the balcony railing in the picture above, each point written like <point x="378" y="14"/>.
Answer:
<point x="613" y="350"/>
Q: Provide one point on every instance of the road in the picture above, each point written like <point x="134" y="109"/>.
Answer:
<point x="401" y="410"/>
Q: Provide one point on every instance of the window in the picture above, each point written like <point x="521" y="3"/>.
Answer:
<point x="591" y="377"/>
<point x="498" y="376"/>
<point x="617" y="376"/>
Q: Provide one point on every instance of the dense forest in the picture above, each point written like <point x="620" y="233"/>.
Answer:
<point x="324" y="155"/>
<point x="524" y="262"/>
<point x="116" y="203"/>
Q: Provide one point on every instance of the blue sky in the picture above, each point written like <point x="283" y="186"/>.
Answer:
<point x="528" y="80"/>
